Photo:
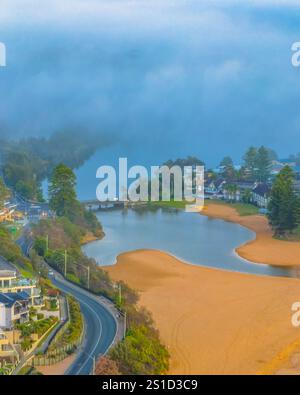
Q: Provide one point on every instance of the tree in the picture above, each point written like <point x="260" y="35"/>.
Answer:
<point x="227" y="166"/>
<point x="263" y="164"/>
<point x="231" y="190"/>
<point x="24" y="173"/>
<point x="283" y="203"/>
<point x="247" y="195"/>
<point x="141" y="353"/>
<point x="106" y="367"/>
<point x="250" y="159"/>
<point x="62" y="194"/>
<point x="4" y="193"/>
<point x="272" y="154"/>
<point x="297" y="211"/>
<point x="257" y="163"/>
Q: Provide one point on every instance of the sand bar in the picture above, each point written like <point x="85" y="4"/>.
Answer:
<point x="214" y="321"/>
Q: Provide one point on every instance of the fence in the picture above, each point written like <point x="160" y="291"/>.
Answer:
<point x="53" y="357"/>
<point x="57" y="354"/>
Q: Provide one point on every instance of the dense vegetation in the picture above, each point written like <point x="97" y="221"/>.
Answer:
<point x="72" y="332"/>
<point x="4" y="193"/>
<point x="284" y="206"/>
<point x="26" y="163"/>
<point x="182" y="162"/>
<point x="141" y="352"/>
<point x="63" y="201"/>
<point x="39" y="327"/>
<point x="256" y="165"/>
<point x="106" y="366"/>
<point x="11" y="251"/>
<point x="59" y="238"/>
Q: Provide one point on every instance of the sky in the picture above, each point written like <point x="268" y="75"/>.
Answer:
<point x="166" y="78"/>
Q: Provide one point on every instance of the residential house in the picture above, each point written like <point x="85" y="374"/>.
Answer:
<point x="8" y="351"/>
<point x="7" y="213"/>
<point x="288" y="162"/>
<point x="14" y="308"/>
<point x="213" y="188"/>
<point x="10" y="283"/>
<point x="276" y="167"/>
<point x="234" y="191"/>
<point x="260" y="195"/>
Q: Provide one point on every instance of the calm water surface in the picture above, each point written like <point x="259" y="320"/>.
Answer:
<point x="191" y="237"/>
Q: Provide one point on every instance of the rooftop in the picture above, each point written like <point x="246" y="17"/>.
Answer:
<point x="262" y="189"/>
<point x="7" y="274"/>
<point x="9" y="299"/>
<point x="5" y="265"/>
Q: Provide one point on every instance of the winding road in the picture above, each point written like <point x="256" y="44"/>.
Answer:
<point x="102" y="322"/>
<point x="100" y="327"/>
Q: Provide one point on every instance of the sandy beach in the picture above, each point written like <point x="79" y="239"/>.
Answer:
<point x="218" y="322"/>
<point x="264" y="249"/>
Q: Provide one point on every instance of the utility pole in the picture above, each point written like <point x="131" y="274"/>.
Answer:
<point x="120" y="294"/>
<point x="47" y="243"/>
<point x="88" y="269"/>
<point x="125" y="324"/>
<point x="66" y="259"/>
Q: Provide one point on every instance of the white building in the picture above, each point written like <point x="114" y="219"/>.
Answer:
<point x="260" y="195"/>
<point x="9" y="283"/>
<point x="14" y="309"/>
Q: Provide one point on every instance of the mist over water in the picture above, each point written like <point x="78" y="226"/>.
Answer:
<point x="164" y="78"/>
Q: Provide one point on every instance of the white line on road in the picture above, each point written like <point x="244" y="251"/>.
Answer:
<point x="99" y="338"/>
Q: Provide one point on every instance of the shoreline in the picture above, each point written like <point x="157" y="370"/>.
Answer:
<point x="90" y="237"/>
<point x="252" y="251"/>
<point x="263" y="249"/>
<point x="215" y="321"/>
<point x="212" y="321"/>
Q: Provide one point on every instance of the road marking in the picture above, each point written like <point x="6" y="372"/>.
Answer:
<point x="99" y="338"/>
<point x="100" y="324"/>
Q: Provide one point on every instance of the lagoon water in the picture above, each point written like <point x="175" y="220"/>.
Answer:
<point x="191" y="237"/>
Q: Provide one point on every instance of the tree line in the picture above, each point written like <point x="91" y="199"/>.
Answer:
<point x="284" y="205"/>
<point x="27" y="162"/>
<point x="256" y="165"/>
<point x="141" y="351"/>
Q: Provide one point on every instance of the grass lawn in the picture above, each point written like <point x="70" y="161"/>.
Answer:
<point x="242" y="208"/>
<point x="71" y="277"/>
<point x="246" y="209"/>
<point x="294" y="236"/>
<point x="171" y="204"/>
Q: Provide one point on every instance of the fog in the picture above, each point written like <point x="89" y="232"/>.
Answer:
<point x="165" y="78"/>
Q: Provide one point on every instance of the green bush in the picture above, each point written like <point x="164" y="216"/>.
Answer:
<point x="141" y="353"/>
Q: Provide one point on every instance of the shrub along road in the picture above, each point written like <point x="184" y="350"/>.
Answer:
<point x="100" y="327"/>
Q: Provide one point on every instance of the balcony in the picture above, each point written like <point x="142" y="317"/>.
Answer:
<point x="21" y="283"/>
<point x="20" y="310"/>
